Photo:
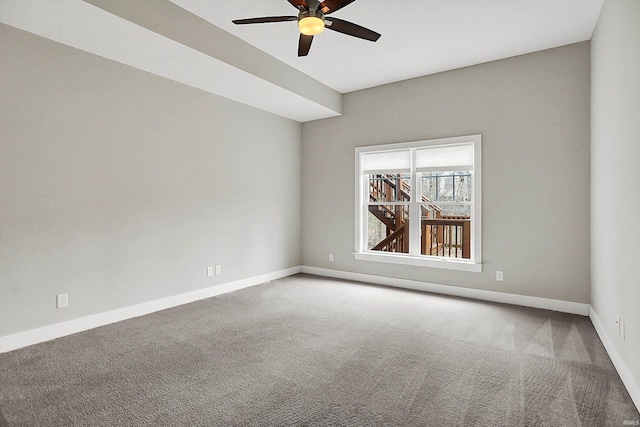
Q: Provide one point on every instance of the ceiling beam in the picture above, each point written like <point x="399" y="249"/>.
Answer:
<point x="160" y="37"/>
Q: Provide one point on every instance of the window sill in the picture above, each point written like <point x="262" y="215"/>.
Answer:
<point x="445" y="263"/>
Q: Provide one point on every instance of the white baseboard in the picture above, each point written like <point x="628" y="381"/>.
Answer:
<point x="46" y="333"/>
<point x="480" y="294"/>
<point x="618" y="362"/>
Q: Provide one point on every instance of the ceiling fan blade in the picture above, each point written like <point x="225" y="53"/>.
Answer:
<point x="351" y="29"/>
<point x="304" y="44"/>
<point x="264" y="19"/>
<point x="299" y="4"/>
<point x="330" y="6"/>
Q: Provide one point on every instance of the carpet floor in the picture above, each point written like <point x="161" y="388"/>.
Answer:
<point x="312" y="351"/>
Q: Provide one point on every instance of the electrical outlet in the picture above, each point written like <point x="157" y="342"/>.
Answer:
<point x="210" y="270"/>
<point x="500" y="276"/>
<point x="622" y="329"/>
<point x="62" y="300"/>
<point x="619" y="326"/>
<point x="218" y="269"/>
<point x="331" y="257"/>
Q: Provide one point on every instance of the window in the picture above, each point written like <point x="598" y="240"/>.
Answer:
<point x="418" y="203"/>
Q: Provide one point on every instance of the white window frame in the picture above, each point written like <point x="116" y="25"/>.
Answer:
<point x="473" y="264"/>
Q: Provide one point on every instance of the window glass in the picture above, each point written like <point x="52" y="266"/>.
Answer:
<point x="390" y="187"/>
<point x="388" y="228"/>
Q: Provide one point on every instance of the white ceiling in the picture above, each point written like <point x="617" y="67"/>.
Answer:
<point x="258" y="64"/>
<point x="419" y="37"/>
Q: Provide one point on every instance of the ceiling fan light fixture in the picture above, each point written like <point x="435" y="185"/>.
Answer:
<point x="311" y="23"/>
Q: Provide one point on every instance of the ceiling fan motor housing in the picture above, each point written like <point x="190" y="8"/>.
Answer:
<point x="311" y="13"/>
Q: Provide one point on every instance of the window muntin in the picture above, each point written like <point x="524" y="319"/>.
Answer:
<point x="443" y="204"/>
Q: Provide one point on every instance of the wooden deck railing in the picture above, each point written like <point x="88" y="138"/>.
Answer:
<point x="446" y="237"/>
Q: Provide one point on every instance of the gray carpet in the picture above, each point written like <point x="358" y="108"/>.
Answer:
<point x="311" y="351"/>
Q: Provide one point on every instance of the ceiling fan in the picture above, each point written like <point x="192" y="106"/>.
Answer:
<point x="312" y="20"/>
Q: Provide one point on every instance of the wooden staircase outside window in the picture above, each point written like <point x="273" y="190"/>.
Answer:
<point x="441" y="235"/>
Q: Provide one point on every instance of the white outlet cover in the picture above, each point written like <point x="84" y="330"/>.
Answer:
<point x="218" y="269"/>
<point x="499" y="276"/>
<point x="62" y="300"/>
<point x="210" y="270"/>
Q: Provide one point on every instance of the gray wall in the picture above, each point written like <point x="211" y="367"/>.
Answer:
<point x="615" y="176"/>
<point x="533" y="114"/>
<point x="120" y="187"/>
